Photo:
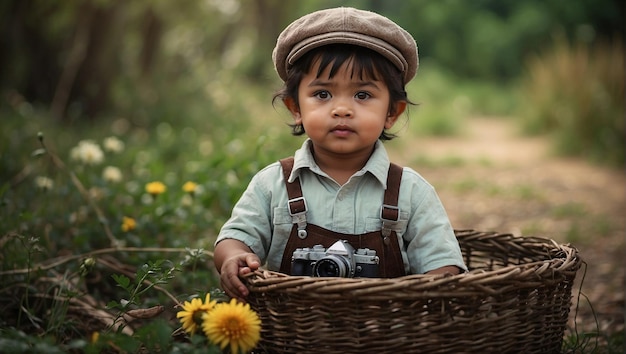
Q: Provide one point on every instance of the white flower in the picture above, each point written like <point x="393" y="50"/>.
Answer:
<point x="87" y="152"/>
<point x="186" y="200"/>
<point x="95" y="193"/>
<point x="44" y="183"/>
<point x="231" y="178"/>
<point x="234" y="146"/>
<point x="112" y="174"/>
<point x="113" y="144"/>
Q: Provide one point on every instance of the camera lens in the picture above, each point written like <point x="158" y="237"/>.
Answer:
<point x="331" y="266"/>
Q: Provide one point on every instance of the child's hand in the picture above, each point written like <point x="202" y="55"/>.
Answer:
<point x="233" y="268"/>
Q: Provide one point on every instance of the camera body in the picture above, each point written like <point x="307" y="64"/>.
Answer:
<point x="339" y="260"/>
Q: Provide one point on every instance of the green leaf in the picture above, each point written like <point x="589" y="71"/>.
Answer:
<point x="114" y="305"/>
<point x="122" y="281"/>
<point x="155" y="336"/>
<point x="126" y="343"/>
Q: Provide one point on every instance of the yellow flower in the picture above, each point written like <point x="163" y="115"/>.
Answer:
<point x="233" y="324"/>
<point x="192" y="313"/>
<point x="155" y="188"/>
<point x="95" y="336"/>
<point x="128" y="224"/>
<point x="190" y="187"/>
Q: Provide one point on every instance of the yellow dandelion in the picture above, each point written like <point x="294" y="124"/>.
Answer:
<point x="233" y="324"/>
<point x="190" y="187"/>
<point x="94" y="337"/>
<point x="191" y="315"/>
<point x="128" y="224"/>
<point x="155" y="188"/>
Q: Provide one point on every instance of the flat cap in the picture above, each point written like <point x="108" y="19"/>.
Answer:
<point x="346" y="25"/>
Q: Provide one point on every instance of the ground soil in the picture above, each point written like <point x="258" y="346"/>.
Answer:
<point x="491" y="178"/>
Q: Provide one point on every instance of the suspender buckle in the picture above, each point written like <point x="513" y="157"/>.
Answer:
<point x="389" y="214"/>
<point x="297" y="206"/>
<point x="297" y="210"/>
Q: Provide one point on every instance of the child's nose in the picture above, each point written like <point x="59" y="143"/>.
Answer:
<point x="342" y="110"/>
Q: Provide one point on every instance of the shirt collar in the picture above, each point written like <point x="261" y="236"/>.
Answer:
<point x="377" y="165"/>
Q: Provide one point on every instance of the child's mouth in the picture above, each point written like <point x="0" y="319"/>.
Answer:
<point x="342" y="131"/>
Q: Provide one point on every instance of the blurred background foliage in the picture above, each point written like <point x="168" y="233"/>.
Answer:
<point x="187" y="86"/>
<point x="157" y="61"/>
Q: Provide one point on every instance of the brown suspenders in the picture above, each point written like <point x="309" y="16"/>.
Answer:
<point x="384" y="242"/>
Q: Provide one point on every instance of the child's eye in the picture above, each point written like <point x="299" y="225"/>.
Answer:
<point x="362" y="95"/>
<point x="322" y="95"/>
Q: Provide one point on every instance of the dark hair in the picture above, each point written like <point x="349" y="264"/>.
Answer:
<point x="365" y="63"/>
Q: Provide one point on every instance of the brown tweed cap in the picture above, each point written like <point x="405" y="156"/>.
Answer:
<point x="346" y="25"/>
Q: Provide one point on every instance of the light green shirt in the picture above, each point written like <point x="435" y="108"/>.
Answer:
<point x="261" y="218"/>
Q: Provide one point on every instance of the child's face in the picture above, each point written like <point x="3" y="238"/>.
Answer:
<point x="345" y="114"/>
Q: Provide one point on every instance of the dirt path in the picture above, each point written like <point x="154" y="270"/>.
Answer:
<point x="491" y="178"/>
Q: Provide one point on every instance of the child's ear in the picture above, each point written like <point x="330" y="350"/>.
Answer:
<point x="291" y="105"/>
<point x="393" y="116"/>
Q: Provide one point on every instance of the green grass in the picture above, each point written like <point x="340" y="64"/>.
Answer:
<point x="575" y="93"/>
<point x="569" y="210"/>
<point x="444" y="102"/>
<point x="447" y="161"/>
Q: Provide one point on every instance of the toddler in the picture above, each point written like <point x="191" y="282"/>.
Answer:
<point x="344" y="73"/>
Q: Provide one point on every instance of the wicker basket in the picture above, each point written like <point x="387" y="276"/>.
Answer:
<point x="515" y="299"/>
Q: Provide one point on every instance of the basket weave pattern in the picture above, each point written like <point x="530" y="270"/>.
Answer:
<point x="516" y="298"/>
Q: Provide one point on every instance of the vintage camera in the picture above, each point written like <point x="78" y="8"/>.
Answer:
<point x="339" y="260"/>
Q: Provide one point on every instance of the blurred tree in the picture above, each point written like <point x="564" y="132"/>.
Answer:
<point x="265" y="18"/>
<point x="90" y="59"/>
<point x="26" y="64"/>
<point x="68" y="53"/>
<point x="491" y="38"/>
